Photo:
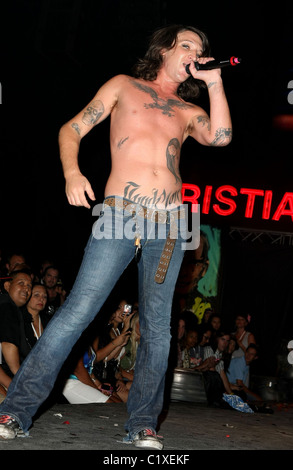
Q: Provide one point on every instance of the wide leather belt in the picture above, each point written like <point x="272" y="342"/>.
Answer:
<point x="160" y="216"/>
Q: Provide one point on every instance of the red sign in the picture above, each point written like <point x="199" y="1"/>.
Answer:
<point x="224" y="201"/>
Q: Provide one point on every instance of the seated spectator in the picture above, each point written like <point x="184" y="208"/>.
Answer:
<point x="55" y="291"/>
<point x="238" y="373"/>
<point x="189" y="359"/>
<point x="196" y="341"/>
<point x="83" y="387"/>
<point x="34" y="315"/>
<point x="107" y="364"/>
<point x="204" y="336"/>
<point x="12" y="333"/>
<point x="215" y="379"/>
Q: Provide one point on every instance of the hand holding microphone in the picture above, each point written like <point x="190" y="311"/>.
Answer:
<point x="214" y="64"/>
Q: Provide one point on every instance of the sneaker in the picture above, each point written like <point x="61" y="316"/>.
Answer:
<point x="147" y="439"/>
<point x="9" y="427"/>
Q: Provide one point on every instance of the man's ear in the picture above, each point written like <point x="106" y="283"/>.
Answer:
<point x="7" y="285"/>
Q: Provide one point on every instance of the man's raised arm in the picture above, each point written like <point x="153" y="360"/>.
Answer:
<point x="216" y="129"/>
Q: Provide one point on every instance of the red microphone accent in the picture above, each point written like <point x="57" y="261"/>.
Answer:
<point x="234" y="60"/>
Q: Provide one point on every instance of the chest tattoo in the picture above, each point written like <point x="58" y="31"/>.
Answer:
<point x="167" y="106"/>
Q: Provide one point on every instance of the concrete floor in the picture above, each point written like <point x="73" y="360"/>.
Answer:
<point x="186" y="427"/>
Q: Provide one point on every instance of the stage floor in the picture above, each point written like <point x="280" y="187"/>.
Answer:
<point x="185" y="427"/>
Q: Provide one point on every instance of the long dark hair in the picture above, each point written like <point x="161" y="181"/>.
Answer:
<point x="165" y="38"/>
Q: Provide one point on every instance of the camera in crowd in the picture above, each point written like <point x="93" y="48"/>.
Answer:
<point x="127" y="309"/>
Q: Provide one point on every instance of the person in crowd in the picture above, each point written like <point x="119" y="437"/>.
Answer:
<point x="83" y="387"/>
<point x="207" y="314"/>
<point x="56" y="293"/>
<point x="214" y="322"/>
<point x="13" y="340"/>
<point x="204" y="337"/>
<point x="189" y="357"/>
<point x="215" y="378"/>
<point x="238" y="373"/>
<point x="34" y="314"/>
<point x="44" y="264"/>
<point x="151" y="117"/>
<point x="242" y="335"/>
<point x="107" y="363"/>
<point x="13" y="262"/>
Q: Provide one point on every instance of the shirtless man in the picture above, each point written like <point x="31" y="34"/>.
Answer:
<point x="149" y="123"/>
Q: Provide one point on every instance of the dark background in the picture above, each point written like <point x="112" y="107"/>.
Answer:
<point x="55" y="55"/>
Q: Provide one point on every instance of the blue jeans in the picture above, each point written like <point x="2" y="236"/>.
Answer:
<point x="105" y="259"/>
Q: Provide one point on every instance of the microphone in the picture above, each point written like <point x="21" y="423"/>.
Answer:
<point x="214" y="64"/>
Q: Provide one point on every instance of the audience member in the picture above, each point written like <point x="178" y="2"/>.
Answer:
<point x="242" y="335"/>
<point x="45" y="263"/>
<point x="83" y="387"/>
<point x="189" y="359"/>
<point x="238" y="373"/>
<point x="107" y="365"/>
<point x="55" y="291"/>
<point x="215" y="379"/>
<point x="204" y="336"/>
<point x="206" y="316"/>
<point x="34" y="315"/>
<point x="214" y="324"/>
<point x="13" y="262"/>
<point x="12" y="333"/>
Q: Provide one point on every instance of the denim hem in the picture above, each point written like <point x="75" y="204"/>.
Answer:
<point x="131" y="435"/>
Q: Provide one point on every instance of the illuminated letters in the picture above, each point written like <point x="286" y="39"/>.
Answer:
<point x="287" y="199"/>
<point x="226" y="206"/>
<point x="229" y="202"/>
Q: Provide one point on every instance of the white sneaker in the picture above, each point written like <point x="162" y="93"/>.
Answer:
<point x="147" y="439"/>
<point x="9" y="427"/>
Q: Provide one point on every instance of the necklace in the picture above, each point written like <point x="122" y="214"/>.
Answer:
<point x="40" y="330"/>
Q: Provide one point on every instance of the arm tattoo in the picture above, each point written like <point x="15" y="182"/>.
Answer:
<point x="132" y="192"/>
<point x="222" y="135"/>
<point x="93" y="112"/>
<point x="166" y="106"/>
<point x="204" y="120"/>
<point x="121" y="142"/>
<point x="76" y="127"/>
<point x="173" y="155"/>
<point x="211" y="84"/>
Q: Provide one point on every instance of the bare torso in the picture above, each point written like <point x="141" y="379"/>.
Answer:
<point x="147" y="132"/>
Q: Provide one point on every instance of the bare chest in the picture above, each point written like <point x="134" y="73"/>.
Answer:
<point x="142" y="106"/>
